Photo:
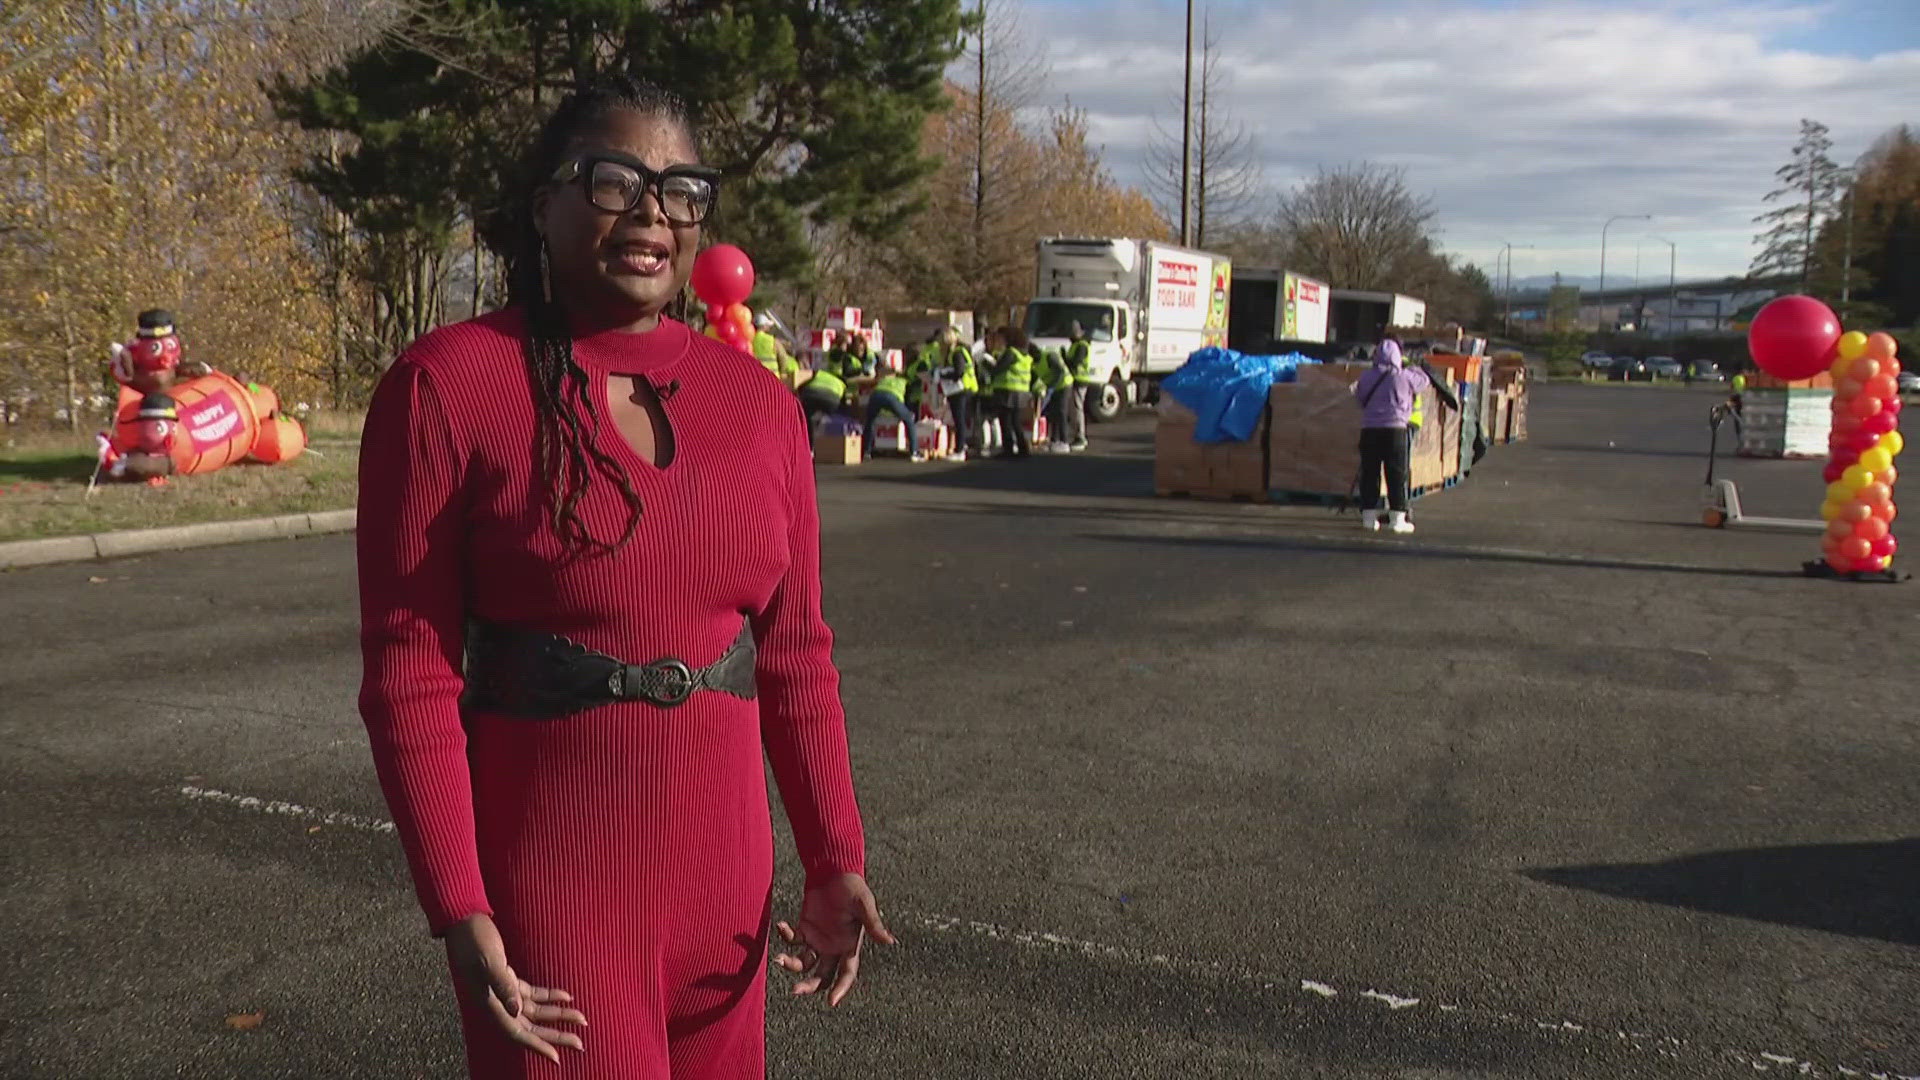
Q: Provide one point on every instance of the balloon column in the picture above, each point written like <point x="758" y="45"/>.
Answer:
<point x="723" y="279"/>
<point x="1797" y="337"/>
<point x="1860" y="474"/>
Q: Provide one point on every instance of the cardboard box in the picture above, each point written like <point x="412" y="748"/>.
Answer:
<point x="1313" y="442"/>
<point x="933" y="439"/>
<point x="890" y="436"/>
<point x="1517" y="419"/>
<point x="843" y="318"/>
<point x="835" y="449"/>
<point x="1182" y="466"/>
<point x="1502" y="416"/>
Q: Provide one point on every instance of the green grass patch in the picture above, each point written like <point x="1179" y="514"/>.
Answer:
<point x="43" y="492"/>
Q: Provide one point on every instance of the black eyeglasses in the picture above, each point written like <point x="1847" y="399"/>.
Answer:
<point x="616" y="183"/>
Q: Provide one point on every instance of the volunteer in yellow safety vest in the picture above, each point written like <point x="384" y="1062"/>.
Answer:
<point x="1012" y="387"/>
<point x="889" y="396"/>
<point x="849" y="359"/>
<point x="821" y="394"/>
<point x="1052" y="383"/>
<point x="768" y="350"/>
<point x="1079" y="398"/>
<point x="960" y="383"/>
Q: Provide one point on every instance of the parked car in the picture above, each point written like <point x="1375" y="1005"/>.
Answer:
<point x="1708" y="371"/>
<point x="1628" y="369"/>
<point x="1664" y="367"/>
<point x="1596" y="361"/>
<point x="1909" y="382"/>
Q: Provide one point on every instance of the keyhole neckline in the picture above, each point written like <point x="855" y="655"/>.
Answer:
<point x="652" y="353"/>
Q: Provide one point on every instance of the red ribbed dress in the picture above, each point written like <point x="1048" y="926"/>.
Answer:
<point x="625" y="852"/>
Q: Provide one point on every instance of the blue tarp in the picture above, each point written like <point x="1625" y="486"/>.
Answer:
<point x="1228" y="390"/>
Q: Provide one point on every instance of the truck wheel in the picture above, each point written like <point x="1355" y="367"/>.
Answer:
<point x="1106" y="405"/>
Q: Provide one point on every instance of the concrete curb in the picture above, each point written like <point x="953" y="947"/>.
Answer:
<point x="112" y="545"/>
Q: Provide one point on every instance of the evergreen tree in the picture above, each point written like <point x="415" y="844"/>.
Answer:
<point x="812" y="107"/>
<point x="1812" y="181"/>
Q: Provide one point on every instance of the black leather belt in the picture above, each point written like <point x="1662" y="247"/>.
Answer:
<point x="534" y="675"/>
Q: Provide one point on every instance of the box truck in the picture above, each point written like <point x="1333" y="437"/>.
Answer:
<point x="1360" y="317"/>
<point x="1276" y="311"/>
<point x="1145" y="307"/>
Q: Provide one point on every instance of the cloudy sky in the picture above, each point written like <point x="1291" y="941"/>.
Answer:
<point x="1530" y="121"/>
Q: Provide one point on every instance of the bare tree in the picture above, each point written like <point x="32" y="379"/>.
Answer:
<point x="1008" y="72"/>
<point x="1357" y="227"/>
<point x="1226" y="177"/>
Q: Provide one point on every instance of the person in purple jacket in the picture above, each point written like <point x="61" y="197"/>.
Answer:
<point x="1387" y="393"/>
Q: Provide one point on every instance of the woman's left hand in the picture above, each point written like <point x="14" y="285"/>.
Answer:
<point x="824" y="949"/>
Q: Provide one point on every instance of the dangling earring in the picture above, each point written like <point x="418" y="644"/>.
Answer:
<point x="546" y="273"/>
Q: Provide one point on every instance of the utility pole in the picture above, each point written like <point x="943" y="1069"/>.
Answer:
<point x="1846" y="259"/>
<point x="1506" y="320"/>
<point x="1601" y="300"/>
<point x="1186" y="135"/>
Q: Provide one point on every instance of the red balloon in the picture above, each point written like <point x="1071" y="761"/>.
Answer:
<point x="1886" y="547"/>
<point x="1883" y="387"/>
<point x="1880" y="423"/>
<point x="1839" y="562"/>
<point x="1846" y="423"/>
<point x="723" y="275"/>
<point x="1894" y="405"/>
<point x="1866" y="405"/>
<point x="1855" y="547"/>
<point x="1831" y="474"/>
<point x="1871" y="530"/>
<point x="1861" y="441"/>
<point x="1794" y="337"/>
<point x="1866" y="565"/>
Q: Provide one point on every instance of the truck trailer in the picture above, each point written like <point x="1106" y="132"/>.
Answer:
<point x="1144" y="305"/>
<point x="1360" y="317"/>
<point x="1276" y="311"/>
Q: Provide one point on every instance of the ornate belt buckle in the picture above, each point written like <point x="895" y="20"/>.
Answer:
<point x="666" y="682"/>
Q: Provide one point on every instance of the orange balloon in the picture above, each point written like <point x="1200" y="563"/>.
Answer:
<point x="1839" y="562"/>
<point x="1882" y="386"/>
<point x="1865" y="368"/>
<point x="1865" y="405"/>
<point x="1875" y="494"/>
<point x="1856" y="548"/>
<point x="1890" y="513"/>
<point x="1848" y="389"/>
<point x="1890" y="477"/>
<point x="1855" y="512"/>
<point x="1870" y="530"/>
<point x="1840" y="528"/>
<point x="1881" y="346"/>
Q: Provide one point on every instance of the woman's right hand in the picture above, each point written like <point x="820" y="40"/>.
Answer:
<point x="523" y="1011"/>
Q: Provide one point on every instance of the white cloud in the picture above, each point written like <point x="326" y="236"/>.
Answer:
<point x="1531" y="122"/>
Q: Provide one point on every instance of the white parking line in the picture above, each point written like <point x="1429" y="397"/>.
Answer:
<point x="1666" y="1046"/>
<point x="287" y="809"/>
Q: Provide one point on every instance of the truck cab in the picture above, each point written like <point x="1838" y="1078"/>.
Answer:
<point x="1109" y="326"/>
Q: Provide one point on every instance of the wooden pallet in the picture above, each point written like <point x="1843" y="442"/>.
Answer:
<point x="1212" y="495"/>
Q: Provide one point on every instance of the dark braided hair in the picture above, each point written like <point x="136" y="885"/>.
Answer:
<point x="567" y="452"/>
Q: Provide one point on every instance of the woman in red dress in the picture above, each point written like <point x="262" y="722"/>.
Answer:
<point x="590" y="602"/>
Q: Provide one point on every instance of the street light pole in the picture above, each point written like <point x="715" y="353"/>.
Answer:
<point x="1673" y="292"/>
<point x="1601" y="302"/>
<point x="1506" y="320"/>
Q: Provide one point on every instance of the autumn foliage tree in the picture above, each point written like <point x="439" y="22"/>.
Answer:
<point x="141" y="167"/>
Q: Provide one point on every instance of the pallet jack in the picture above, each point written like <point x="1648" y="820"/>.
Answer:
<point x="1722" y="509"/>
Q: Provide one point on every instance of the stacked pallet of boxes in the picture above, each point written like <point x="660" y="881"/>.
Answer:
<point x="1313" y="433"/>
<point x="1786" y="419"/>
<point x="1510" y="391"/>
<point x="1229" y="470"/>
<point x="1471" y="377"/>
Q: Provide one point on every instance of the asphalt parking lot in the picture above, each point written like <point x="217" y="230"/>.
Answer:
<point x="1566" y="785"/>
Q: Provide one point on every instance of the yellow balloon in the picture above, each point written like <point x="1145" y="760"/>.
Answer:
<point x="1876" y="461"/>
<point x="1892" y="442"/>
<point x="1842" y="368"/>
<point x="1856" y="477"/>
<point x="1831" y="509"/>
<point x="1853" y="345"/>
<point x="1839" y="493"/>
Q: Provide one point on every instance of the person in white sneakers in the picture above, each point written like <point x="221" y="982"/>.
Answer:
<point x="1387" y="394"/>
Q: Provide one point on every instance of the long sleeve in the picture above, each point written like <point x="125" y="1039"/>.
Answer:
<point x="412" y="553"/>
<point x="801" y="718"/>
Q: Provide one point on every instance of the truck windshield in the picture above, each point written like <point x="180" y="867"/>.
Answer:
<point x="1054" y="320"/>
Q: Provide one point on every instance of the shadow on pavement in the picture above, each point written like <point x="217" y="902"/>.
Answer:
<point x="1412" y="550"/>
<point x="1861" y="890"/>
<point x="1635" y="451"/>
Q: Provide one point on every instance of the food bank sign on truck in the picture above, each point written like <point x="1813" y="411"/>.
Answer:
<point x="1145" y="307"/>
